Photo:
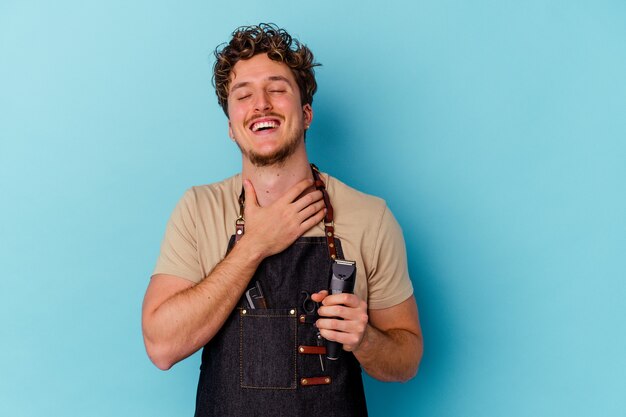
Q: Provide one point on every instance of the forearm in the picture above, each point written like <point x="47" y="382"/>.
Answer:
<point x="183" y="323"/>
<point x="393" y="355"/>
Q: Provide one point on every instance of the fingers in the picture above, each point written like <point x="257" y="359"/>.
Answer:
<point x="311" y="210"/>
<point x="349" y="331"/>
<point x="313" y="220"/>
<point x="350" y="341"/>
<point x="338" y="326"/>
<point x="319" y="296"/>
<point x="291" y="195"/>
<point x="346" y="299"/>
<point x="308" y="200"/>
<point x="342" y="312"/>
<point x="250" y="193"/>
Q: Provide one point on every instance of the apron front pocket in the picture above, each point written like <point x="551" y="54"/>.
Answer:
<point x="268" y="348"/>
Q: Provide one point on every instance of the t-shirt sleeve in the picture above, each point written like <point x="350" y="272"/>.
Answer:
<point x="179" y="249"/>
<point x="389" y="281"/>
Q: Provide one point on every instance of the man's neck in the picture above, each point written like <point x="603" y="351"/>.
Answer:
<point x="272" y="182"/>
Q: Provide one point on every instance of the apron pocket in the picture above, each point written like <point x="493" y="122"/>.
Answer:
<point x="268" y="348"/>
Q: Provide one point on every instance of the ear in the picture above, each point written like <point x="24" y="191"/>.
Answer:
<point x="307" y="111"/>
<point x="230" y="131"/>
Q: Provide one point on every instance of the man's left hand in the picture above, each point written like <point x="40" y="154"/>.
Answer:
<point x="349" y="307"/>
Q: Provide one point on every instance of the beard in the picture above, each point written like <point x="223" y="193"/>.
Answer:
<point x="277" y="157"/>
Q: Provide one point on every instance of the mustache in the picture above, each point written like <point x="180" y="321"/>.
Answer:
<point x="262" y="115"/>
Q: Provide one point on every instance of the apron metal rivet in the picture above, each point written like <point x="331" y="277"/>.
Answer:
<point x="327" y="380"/>
<point x="329" y="234"/>
<point x="244" y="311"/>
<point x="238" y="232"/>
<point x="333" y="256"/>
<point x="292" y="312"/>
<point x="301" y="349"/>
<point x="305" y="381"/>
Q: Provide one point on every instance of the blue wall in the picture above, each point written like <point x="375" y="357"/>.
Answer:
<point x="495" y="131"/>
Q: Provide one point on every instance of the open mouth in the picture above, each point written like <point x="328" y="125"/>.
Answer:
<point x="264" y="124"/>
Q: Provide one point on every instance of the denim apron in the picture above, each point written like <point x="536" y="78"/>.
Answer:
<point x="272" y="362"/>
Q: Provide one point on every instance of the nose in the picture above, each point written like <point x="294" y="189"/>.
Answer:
<point x="262" y="102"/>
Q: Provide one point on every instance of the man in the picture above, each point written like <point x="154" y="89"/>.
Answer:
<point x="276" y="229"/>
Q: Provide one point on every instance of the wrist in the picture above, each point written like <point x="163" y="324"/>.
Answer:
<point x="363" y="347"/>
<point x="250" y="250"/>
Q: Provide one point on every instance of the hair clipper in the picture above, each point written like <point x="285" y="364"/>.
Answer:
<point x="343" y="276"/>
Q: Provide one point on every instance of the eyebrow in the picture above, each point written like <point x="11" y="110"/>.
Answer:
<point x="270" y="78"/>
<point x="279" y="78"/>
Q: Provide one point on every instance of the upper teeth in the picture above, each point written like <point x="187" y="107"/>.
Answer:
<point x="261" y="125"/>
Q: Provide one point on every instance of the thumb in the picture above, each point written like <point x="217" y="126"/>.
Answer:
<point x="250" y="194"/>
<point x="318" y="297"/>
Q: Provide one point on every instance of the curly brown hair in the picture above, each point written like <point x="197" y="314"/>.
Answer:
<point x="248" y="41"/>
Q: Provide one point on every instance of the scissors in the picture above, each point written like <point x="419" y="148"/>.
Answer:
<point x="308" y="305"/>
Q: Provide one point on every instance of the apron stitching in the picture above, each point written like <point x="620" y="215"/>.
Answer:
<point x="240" y="349"/>
<point x="295" y="352"/>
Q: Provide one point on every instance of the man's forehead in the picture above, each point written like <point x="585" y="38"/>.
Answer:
<point x="260" y="68"/>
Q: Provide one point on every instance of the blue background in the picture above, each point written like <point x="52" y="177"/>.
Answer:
<point x="494" y="129"/>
